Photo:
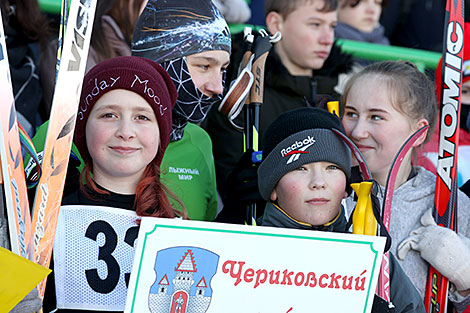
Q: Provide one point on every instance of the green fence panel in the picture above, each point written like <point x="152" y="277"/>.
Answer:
<point x="422" y="58"/>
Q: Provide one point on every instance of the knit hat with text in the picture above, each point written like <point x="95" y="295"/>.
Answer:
<point x="140" y="75"/>
<point x="300" y="137"/>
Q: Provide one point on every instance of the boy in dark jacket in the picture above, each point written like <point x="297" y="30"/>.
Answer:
<point x="304" y="63"/>
<point x="303" y="177"/>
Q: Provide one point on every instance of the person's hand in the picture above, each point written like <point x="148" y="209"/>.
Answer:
<point x="30" y="304"/>
<point x="243" y="181"/>
<point x="447" y="251"/>
<point x="242" y="190"/>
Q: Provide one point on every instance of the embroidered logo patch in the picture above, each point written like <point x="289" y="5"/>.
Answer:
<point x="296" y="149"/>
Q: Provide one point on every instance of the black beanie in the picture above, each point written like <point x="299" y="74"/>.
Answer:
<point x="300" y="137"/>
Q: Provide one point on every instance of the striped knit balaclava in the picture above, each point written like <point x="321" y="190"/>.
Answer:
<point x="169" y="30"/>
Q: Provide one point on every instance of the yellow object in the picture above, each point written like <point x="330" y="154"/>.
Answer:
<point x="18" y="276"/>
<point x="359" y="216"/>
<point x="333" y="107"/>
<point x="370" y="223"/>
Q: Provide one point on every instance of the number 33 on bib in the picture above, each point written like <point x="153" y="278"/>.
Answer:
<point x="93" y="258"/>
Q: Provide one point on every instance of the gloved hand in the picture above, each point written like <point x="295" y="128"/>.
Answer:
<point x="30" y="304"/>
<point x="243" y="180"/>
<point x="447" y="251"/>
<point x="242" y="190"/>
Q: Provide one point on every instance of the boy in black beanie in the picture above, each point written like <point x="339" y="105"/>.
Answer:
<point x="304" y="172"/>
<point x="304" y="176"/>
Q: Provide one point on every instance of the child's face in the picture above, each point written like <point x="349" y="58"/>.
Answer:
<point x="122" y="136"/>
<point x="312" y="193"/>
<point x="364" y="16"/>
<point x="207" y="69"/>
<point x="307" y="37"/>
<point x="375" y="126"/>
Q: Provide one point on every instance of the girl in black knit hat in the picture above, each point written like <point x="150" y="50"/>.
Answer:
<point x="303" y="177"/>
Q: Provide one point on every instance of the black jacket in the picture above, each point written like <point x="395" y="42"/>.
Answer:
<point x="282" y="92"/>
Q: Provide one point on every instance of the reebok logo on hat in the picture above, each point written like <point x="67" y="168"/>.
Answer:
<point x="297" y="148"/>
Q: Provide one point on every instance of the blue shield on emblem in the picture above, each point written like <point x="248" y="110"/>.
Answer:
<point x="183" y="280"/>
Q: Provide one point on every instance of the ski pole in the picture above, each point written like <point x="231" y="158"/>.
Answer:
<point x="445" y="199"/>
<point x="260" y="50"/>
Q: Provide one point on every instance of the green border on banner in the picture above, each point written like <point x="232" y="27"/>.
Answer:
<point x="252" y="233"/>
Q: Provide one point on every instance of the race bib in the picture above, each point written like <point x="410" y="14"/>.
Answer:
<point x="93" y="255"/>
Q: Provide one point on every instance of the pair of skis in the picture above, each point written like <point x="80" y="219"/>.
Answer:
<point x="61" y="128"/>
<point x="33" y="239"/>
<point x="445" y="201"/>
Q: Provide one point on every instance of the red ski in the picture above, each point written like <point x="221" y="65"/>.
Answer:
<point x="384" y="276"/>
<point x="445" y="201"/>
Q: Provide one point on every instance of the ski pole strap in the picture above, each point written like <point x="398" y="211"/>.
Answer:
<point x="27" y="144"/>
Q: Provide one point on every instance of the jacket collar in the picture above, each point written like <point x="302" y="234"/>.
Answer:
<point x="277" y="217"/>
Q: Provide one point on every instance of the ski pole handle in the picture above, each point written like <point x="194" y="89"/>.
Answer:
<point x="261" y="51"/>
<point x="333" y="107"/>
<point x="359" y="216"/>
<point x="370" y="222"/>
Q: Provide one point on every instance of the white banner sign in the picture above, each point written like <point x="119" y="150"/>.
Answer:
<point x="93" y="255"/>
<point x="189" y="266"/>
